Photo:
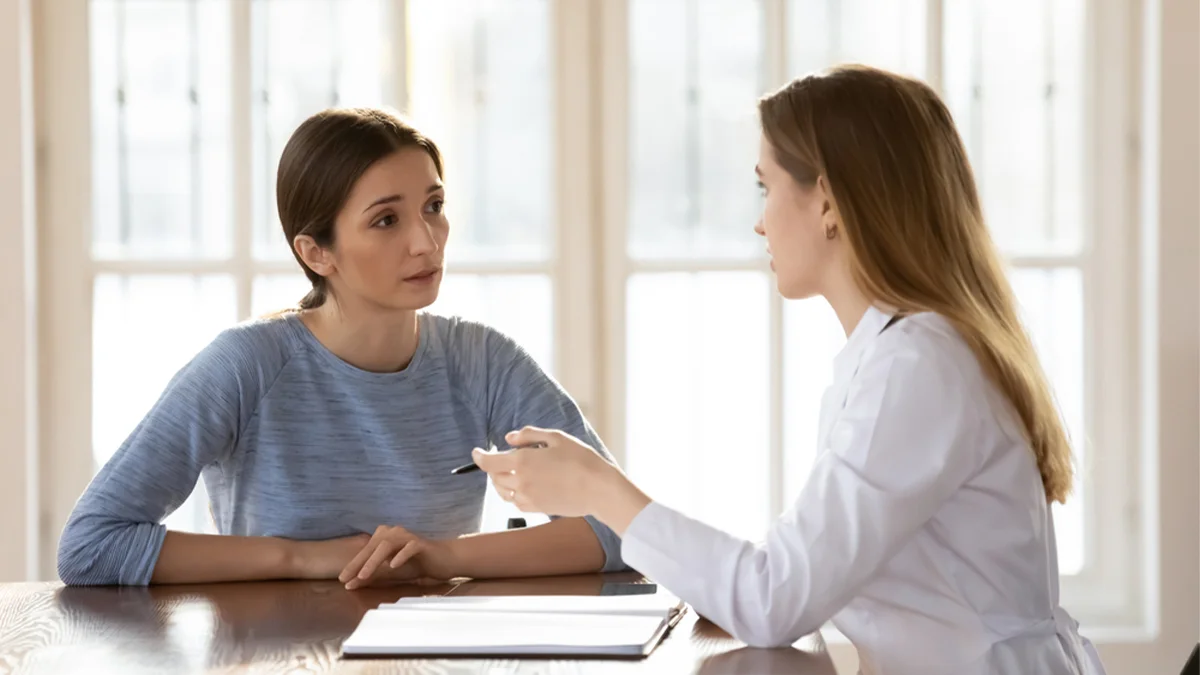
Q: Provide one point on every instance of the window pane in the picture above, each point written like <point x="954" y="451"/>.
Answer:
<point x="696" y="68"/>
<point x="272" y="293"/>
<point x="480" y="86"/>
<point x="1052" y="306"/>
<point x="812" y="337"/>
<point x="308" y="55"/>
<point x="1016" y="91"/>
<point x="145" y="328"/>
<point x="883" y="33"/>
<point x="160" y="129"/>
<point x="521" y="306"/>
<point x="697" y="409"/>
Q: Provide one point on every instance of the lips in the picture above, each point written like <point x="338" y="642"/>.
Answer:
<point x="424" y="274"/>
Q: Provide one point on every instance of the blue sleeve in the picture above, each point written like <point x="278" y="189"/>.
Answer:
<point x="114" y="534"/>
<point x="519" y="394"/>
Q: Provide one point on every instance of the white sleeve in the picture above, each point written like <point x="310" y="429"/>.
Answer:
<point x="900" y="447"/>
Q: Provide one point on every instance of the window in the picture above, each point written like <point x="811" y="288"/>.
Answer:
<point x="600" y="170"/>
<point x="715" y="400"/>
<point x="178" y="254"/>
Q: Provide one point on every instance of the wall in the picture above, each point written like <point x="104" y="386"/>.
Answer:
<point x="18" y="298"/>
<point x="1170" y="222"/>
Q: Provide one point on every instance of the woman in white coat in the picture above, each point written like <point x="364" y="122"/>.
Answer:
<point x="924" y="531"/>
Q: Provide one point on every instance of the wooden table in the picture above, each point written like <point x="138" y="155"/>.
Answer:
<point x="298" y="627"/>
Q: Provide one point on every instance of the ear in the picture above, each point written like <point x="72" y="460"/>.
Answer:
<point x="826" y="196"/>
<point x="317" y="259"/>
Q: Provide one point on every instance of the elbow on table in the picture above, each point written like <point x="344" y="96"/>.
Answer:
<point x="768" y="635"/>
<point x="85" y="550"/>
<point x="73" y="569"/>
<point x="770" y="617"/>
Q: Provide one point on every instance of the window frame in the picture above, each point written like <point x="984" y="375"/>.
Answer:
<point x="589" y="266"/>
<point x="1107" y="591"/>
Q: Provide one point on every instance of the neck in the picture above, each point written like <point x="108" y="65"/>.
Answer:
<point x="848" y="303"/>
<point x="368" y="338"/>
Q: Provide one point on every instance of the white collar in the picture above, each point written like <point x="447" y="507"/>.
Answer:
<point x="868" y="328"/>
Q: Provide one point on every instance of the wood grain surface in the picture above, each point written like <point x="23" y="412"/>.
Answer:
<point x="298" y="627"/>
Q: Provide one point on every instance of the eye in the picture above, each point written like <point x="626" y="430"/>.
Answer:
<point x="436" y="206"/>
<point x="385" y="221"/>
<point x="761" y="188"/>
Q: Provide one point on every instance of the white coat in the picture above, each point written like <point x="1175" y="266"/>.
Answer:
<point x="923" y="531"/>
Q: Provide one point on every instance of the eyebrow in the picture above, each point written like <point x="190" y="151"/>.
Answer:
<point x="395" y="198"/>
<point x="757" y="170"/>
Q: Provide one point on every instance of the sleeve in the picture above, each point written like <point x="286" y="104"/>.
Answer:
<point x="114" y="535"/>
<point x="901" y="446"/>
<point x="519" y="394"/>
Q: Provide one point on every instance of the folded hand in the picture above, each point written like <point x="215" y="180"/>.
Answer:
<point x="393" y="555"/>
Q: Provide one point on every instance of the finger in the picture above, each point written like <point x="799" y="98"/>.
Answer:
<point x="524" y="505"/>
<point x="408" y="552"/>
<point x="530" y="436"/>
<point x="494" y="462"/>
<point x="385" y="550"/>
<point x="352" y="568"/>
<point x="507" y="481"/>
<point x="507" y="492"/>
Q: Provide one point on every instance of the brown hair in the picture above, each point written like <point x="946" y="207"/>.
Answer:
<point x="908" y="207"/>
<point x="319" y="166"/>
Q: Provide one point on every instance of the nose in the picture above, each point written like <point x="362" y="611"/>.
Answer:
<point x="422" y="242"/>
<point x="758" y="228"/>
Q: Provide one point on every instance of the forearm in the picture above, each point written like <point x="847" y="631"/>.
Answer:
<point x="562" y="546"/>
<point x="204" y="558"/>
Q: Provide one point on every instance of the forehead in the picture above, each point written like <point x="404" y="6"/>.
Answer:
<point x="766" y="155"/>
<point x="409" y="170"/>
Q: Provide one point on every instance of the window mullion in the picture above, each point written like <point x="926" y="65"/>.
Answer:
<point x="574" y="267"/>
<point x="241" y="114"/>
<point x="613" y="83"/>
<point x="775" y="73"/>
<point x="934" y="66"/>
<point x="398" y="43"/>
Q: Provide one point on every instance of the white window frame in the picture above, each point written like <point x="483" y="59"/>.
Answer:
<point x="589" y="267"/>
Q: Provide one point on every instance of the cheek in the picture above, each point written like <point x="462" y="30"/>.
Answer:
<point x="365" y="262"/>
<point x="441" y="231"/>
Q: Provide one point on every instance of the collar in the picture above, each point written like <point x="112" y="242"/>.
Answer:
<point x="868" y="328"/>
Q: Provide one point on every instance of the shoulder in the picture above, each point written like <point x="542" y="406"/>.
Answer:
<point x="926" y="352"/>
<point x="925" y="358"/>
<point x="258" y="347"/>
<point x="466" y="338"/>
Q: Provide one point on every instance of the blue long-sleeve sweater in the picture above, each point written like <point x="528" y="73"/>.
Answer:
<point x="294" y="442"/>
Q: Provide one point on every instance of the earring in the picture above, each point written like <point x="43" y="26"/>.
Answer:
<point x="831" y="232"/>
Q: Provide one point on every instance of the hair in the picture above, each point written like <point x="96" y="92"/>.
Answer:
<point x="908" y="207"/>
<point x="319" y="166"/>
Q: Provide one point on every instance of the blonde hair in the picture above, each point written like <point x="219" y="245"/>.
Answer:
<point x="908" y="207"/>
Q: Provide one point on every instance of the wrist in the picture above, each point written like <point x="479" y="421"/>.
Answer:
<point x="290" y="558"/>
<point x="617" y="501"/>
<point x="450" y="561"/>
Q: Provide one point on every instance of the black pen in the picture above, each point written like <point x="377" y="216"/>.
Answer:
<point x="468" y="468"/>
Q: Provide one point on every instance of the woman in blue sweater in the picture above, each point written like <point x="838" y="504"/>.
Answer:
<point x="326" y="435"/>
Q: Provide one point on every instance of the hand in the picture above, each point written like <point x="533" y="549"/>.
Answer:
<point x="395" y="555"/>
<point x="566" y="477"/>
<point x="324" y="559"/>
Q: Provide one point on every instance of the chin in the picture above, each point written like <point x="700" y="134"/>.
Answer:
<point x="794" y="291"/>
<point x="408" y="300"/>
